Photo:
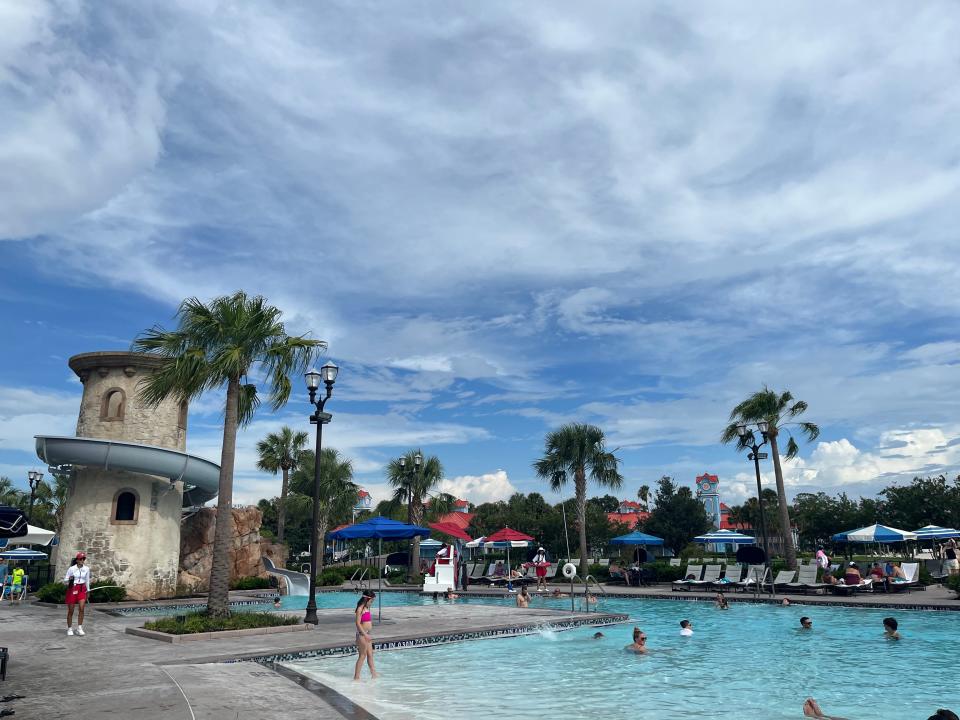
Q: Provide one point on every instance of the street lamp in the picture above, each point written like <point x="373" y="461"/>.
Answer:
<point x="34" y="478"/>
<point x="328" y="374"/>
<point x="750" y="440"/>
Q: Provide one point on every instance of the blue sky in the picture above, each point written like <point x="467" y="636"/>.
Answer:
<point x="502" y="217"/>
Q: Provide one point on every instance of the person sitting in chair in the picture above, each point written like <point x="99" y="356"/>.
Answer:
<point x="499" y="570"/>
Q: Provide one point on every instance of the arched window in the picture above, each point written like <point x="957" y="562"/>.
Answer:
<point x="182" y="416"/>
<point x="114" y="405"/>
<point x="126" y="508"/>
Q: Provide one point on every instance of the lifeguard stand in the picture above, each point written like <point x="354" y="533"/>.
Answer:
<point x="444" y="574"/>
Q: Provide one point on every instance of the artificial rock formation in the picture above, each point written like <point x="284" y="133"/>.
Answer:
<point x="246" y="552"/>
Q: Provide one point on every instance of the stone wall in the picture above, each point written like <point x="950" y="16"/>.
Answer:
<point x="196" y="547"/>
<point x="141" y="555"/>
<point x="105" y="372"/>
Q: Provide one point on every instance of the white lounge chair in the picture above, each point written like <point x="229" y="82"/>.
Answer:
<point x="674" y="562"/>
<point x="784" y="577"/>
<point x="755" y="579"/>
<point x="912" y="571"/>
<point x="684" y="584"/>
<point x="710" y="575"/>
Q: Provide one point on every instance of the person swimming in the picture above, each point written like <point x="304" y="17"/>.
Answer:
<point x="276" y="602"/>
<point x="639" y="644"/>
<point x="890" y="628"/>
<point x="686" y="628"/>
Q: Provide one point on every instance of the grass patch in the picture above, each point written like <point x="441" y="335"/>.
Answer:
<point x="200" y="622"/>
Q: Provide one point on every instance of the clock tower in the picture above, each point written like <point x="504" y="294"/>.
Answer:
<point x="709" y="495"/>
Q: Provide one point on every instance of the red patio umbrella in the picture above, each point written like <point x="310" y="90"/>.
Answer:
<point x="511" y="538"/>
<point x="451" y="530"/>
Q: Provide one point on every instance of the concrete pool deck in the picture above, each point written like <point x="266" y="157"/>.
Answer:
<point x="111" y="674"/>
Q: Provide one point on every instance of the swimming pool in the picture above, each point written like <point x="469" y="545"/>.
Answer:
<point x="748" y="662"/>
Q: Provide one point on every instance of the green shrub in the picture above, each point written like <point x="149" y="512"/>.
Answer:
<point x="953" y="582"/>
<point x="665" y="572"/>
<point x="600" y="572"/>
<point x="102" y="591"/>
<point x="250" y="583"/>
<point x="330" y="576"/>
<point x="397" y="577"/>
<point x="200" y="622"/>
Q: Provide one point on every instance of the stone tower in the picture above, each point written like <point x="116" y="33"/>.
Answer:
<point x="128" y="523"/>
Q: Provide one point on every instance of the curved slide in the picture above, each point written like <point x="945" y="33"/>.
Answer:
<point x="201" y="478"/>
<point x="298" y="583"/>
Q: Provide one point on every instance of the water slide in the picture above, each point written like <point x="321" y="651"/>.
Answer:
<point x="201" y="478"/>
<point x="298" y="583"/>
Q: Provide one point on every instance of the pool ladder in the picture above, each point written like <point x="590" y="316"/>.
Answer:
<point x="358" y="582"/>
<point x="585" y="607"/>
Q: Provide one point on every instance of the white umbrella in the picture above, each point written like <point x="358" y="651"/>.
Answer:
<point x="34" y="536"/>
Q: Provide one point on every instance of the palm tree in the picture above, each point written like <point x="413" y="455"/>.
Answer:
<point x="643" y="495"/>
<point x="217" y="345"/>
<point x="281" y="451"/>
<point x="413" y="484"/>
<point x="575" y="450"/>
<point x="10" y="495"/>
<point x="338" y="492"/>
<point x="778" y="411"/>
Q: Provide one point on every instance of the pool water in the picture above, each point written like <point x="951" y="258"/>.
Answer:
<point x="750" y="661"/>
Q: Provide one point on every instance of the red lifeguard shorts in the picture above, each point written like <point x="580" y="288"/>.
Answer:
<point x="78" y="593"/>
<point x="541" y="571"/>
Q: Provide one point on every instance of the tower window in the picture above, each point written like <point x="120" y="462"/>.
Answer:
<point x="114" y="405"/>
<point x="182" y="416"/>
<point x="126" y="507"/>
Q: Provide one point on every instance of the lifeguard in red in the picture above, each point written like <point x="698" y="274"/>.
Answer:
<point x="78" y="585"/>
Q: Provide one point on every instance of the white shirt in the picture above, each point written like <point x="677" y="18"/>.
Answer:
<point x="80" y="575"/>
<point x="539" y="558"/>
<point x="686" y="632"/>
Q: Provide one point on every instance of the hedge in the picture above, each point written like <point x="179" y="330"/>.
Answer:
<point x="199" y="622"/>
<point x="250" y="583"/>
<point x="100" y="592"/>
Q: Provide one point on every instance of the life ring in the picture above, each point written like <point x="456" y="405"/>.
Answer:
<point x="569" y="571"/>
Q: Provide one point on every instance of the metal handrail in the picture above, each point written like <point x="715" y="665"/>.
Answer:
<point x="358" y="582"/>
<point x="586" y="591"/>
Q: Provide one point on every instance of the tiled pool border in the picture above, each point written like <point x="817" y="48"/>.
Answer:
<point x="603" y="619"/>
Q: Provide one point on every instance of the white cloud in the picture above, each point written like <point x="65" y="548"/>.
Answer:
<point x="479" y="488"/>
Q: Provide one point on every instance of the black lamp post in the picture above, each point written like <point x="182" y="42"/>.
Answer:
<point x="750" y="440"/>
<point x="413" y="568"/>
<point x="328" y="373"/>
<point x="34" y="478"/>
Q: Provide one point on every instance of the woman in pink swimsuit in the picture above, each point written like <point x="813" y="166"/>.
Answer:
<point x="364" y="623"/>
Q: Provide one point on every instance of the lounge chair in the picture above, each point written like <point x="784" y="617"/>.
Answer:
<point x="912" y="571"/>
<point x="841" y="588"/>
<point x="674" y="562"/>
<point x="755" y="579"/>
<point x="711" y="574"/>
<point x="784" y="577"/>
<point x="807" y="580"/>
<point x="731" y="576"/>
<point x="692" y="570"/>
<point x="477" y="571"/>
<point x="936" y="570"/>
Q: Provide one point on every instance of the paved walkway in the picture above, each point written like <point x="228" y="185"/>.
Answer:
<point x="110" y="674"/>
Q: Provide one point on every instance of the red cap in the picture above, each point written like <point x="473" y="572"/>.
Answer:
<point x="81" y="556"/>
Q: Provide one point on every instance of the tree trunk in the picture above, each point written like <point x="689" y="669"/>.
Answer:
<point x="218" y="600"/>
<point x="282" y="505"/>
<point x="581" y="491"/>
<point x="321" y="534"/>
<point x="788" y="548"/>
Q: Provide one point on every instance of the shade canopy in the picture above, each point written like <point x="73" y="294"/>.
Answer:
<point x="508" y="535"/>
<point x="935" y="532"/>
<point x="22" y="553"/>
<point x="875" y="534"/>
<point x="450" y="529"/>
<point x="13" y="523"/>
<point x="381" y="528"/>
<point x="34" y="536"/>
<point x="637" y="538"/>
<point x="720" y="537"/>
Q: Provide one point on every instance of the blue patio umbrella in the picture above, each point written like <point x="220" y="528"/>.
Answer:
<point x="875" y="534"/>
<point x="22" y="553"/>
<point x="382" y="529"/>
<point x="935" y="532"/>
<point x="721" y="537"/>
<point x="637" y="538"/>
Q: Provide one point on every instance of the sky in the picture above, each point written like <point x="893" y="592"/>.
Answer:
<point x="501" y="217"/>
